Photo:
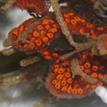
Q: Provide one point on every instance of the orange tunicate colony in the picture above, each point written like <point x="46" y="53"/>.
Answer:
<point x="40" y="35"/>
<point x="61" y="82"/>
<point x="79" y="25"/>
<point x="49" y="55"/>
<point x="37" y="6"/>
<point x="91" y="65"/>
<point x="44" y="31"/>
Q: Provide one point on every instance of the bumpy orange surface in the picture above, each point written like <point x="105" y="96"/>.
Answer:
<point x="46" y="30"/>
<point x="37" y="6"/>
<point x="61" y="82"/>
<point x="92" y="65"/>
<point x="40" y="34"/>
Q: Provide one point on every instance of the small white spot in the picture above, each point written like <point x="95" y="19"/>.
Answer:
<point x="51" y="9"/>
<point x="63" y="4"/>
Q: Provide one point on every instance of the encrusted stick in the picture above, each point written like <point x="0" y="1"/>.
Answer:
<point x="65" y="29"/>
<point x="29" y="61"/>
<point x="8" y="52"/>
<point x="10" y="79"/>
<point x="77" y="71"/>
<point x="61" y="21"/>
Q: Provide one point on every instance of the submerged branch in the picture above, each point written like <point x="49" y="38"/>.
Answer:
<point x="77" y="71"/>
<point x="10" y="79"/>
<point x="61" y="21"/>
<point x="8" y="52"/>
<point x="65" y="30"/>
<point x="28" y="61"/>
<point x="79" y="48"/>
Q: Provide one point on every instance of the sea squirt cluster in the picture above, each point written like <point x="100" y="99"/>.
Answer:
<point x="61" y="82"/>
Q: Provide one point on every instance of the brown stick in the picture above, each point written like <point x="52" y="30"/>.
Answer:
<point x="64" y="27"/>
<point x="8" y="52"/>
<point x="61" y="21"/>
<point x="79" y="48"/>
<point x="10" y="79"/>
<point x="29" y="61"/>
<point x="77" y="71"/>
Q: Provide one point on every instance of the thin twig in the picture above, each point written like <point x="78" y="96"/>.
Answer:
<point x="8" y="52"/>
<point x="29" y="61"/>
<point x="77" y="71"/>
<point x="79" y="48"/>
<point x="64" y="27"/>
<point x="74" y="63"/>
<point x="61" y="21"/>
<point x="10" y="79"/>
